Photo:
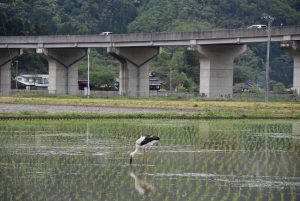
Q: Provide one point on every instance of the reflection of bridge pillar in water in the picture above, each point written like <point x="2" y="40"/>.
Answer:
<point x="296" y="128"/>
<point x="38" y="140"/>
<point x="204" y="130"/>
<point x="257" y="172"/>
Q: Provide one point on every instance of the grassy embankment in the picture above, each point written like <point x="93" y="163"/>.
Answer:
<point x="201" y="109"/>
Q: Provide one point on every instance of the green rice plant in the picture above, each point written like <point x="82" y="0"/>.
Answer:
<point x="116" y="137"/>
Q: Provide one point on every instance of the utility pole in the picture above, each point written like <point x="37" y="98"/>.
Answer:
<point x="171" y="79"/>
<point x="88" y="83"/>
<point x="270" y="20"/>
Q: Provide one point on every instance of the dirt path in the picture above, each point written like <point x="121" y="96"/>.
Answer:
<point x="9" y="108"/>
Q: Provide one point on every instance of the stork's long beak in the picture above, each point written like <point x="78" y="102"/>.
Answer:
<point x="130" y="161"/>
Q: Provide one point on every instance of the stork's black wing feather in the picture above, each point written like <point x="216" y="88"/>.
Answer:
<point x="149" y="139"/>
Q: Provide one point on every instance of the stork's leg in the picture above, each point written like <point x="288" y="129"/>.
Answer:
<point x="143" y="162"/>
<point x="146" y="157"/>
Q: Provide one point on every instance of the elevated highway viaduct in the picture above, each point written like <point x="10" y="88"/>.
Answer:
<point x="216" y="49"/>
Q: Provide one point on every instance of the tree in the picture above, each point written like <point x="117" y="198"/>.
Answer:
<point x="103" y="70"/>
<point x="278" y="87"/>
<point x="281" y="70"/>
<point x="242" y="74"/>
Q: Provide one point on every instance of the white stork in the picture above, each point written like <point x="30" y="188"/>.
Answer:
<point x="142" y="143"/>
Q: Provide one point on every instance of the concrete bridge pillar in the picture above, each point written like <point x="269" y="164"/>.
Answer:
<point x="134" y="71"/>
<point x="216" y="69"/>
<point x="63" y="69"/>
<point x="293" y="48"/>
<point x="6" y="57"/>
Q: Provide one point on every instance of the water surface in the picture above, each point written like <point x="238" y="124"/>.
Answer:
<point x="194" y="160"/>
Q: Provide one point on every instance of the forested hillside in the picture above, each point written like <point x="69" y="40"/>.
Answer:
<point x="39" y="17"/>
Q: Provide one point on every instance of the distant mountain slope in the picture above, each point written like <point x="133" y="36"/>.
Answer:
<point x="120" y="16"/>
<point x="193" y="15"/>
<point x="65" y="16"/>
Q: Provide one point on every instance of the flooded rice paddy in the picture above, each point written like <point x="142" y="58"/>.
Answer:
<point x="194" y="160"/>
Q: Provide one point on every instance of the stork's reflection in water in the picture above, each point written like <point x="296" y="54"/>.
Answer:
<point x="141" y="185"/>
<point x="140" y="182"/>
